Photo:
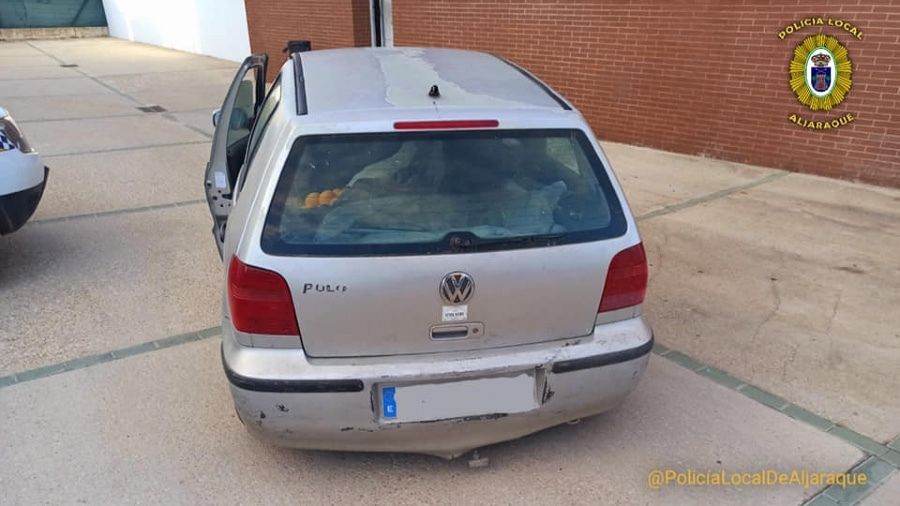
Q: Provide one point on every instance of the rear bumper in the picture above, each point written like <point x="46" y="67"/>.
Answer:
<point x="16" y="208"/>
<point x="332" y="404"/>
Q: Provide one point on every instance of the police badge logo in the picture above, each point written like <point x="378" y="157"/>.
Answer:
<point x="820" y="72"/>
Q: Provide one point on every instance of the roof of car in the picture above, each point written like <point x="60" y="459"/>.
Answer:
<point x="378" y="78"/>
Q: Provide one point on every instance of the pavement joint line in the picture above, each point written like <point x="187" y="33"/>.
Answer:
<point x="87" y="361"/>
<point x="171" y="117"/>
<point x="877" y="472"/>
<point x="45" y="53"/>
<point x="135" y="74"/>
<point x="858" y="440"/>
<point x="895" y="443"/>
<point x="102" y="116"/>
<point x="126" y="148"/>
<point x="117" y="212"/>
<point x="678" y="206"/>
<point x="112" y="116"/>
<point x="153" y="72"/>
<point x="882" y="452"/>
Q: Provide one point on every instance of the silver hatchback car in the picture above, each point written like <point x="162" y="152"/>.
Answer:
<point x="426" y="251"/>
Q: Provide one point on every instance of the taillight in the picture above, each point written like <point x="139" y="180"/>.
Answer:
<point x="260" y="301"/>
<point x="626" y="280"/>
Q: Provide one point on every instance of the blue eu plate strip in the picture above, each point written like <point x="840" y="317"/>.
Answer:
<point x="389" y="405"/>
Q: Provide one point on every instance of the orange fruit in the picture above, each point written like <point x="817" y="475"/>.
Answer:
<point x="326" y="198"/>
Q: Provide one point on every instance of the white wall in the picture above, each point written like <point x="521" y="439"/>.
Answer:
<point x="211" y="27"/>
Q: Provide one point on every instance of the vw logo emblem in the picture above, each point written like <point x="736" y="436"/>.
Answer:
<point x="457" y="288"/>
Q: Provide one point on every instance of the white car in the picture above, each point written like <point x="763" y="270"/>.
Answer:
<point x="22" y="176"/>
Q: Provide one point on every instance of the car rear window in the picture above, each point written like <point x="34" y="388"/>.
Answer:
<point x="400" y="193"/>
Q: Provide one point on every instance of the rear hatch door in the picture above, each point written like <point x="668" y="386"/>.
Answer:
<point x="394" y="305"/>
<point x="366" y="227"/>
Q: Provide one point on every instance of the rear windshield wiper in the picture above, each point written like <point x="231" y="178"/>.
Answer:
<point x="466" y="241"/>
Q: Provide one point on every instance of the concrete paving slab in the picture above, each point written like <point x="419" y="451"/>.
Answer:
<point x="791" y="286"/>
<point x="207" y="97"/>
<point x="82" y="287"/>
<point x="40" y="72"/>
<point x="155" y="82"/>
<point x="50" y="87"/>
<point x="98" y="134"/>
<point x="101" y="182"/>
<point x="888" y="494"/>
<point x="159" y="427"/>
<point x="11" y="62"/>
<point x="126" y="65"/>
<point x="177" y="91"/>
<point x="92" y="105"/>
<point x="17" y="49"/>
<point x="199" y="120"/>
<point x="653" y="179"/>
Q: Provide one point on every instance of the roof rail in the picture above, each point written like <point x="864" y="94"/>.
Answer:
<point x="559" y="100"/>
<point x="294" y="48"/>
<point x="300" y="85"/>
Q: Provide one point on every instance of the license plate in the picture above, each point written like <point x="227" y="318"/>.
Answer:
<point x="476" y="397"/>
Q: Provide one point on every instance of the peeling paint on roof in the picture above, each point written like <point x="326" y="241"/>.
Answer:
<point x="375" y="78"/>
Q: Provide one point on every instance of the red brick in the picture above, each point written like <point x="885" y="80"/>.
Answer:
<point x="326" y="23"/>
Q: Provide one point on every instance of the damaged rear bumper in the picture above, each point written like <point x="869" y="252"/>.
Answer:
<point x="334" y="404"/>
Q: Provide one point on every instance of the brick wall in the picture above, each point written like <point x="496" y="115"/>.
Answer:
<point x="703" y="77"/>
<point x="327" y="23"/>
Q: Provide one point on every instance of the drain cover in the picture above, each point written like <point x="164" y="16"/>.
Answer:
<point x="69" y="65"/>
<point x="152" y="108"/>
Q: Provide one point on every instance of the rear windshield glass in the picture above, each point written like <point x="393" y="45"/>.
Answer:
<point x="402" y="193"/>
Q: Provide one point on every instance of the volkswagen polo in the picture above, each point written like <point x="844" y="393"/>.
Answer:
<point x="426" y="251"/>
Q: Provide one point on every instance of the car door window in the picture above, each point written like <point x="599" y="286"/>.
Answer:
<point x="242" y="114"/>
<point x="240" y="123"/>
<point x="265" y="114"/>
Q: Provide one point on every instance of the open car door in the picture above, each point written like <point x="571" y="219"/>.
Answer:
<point x="233" y="123"/>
